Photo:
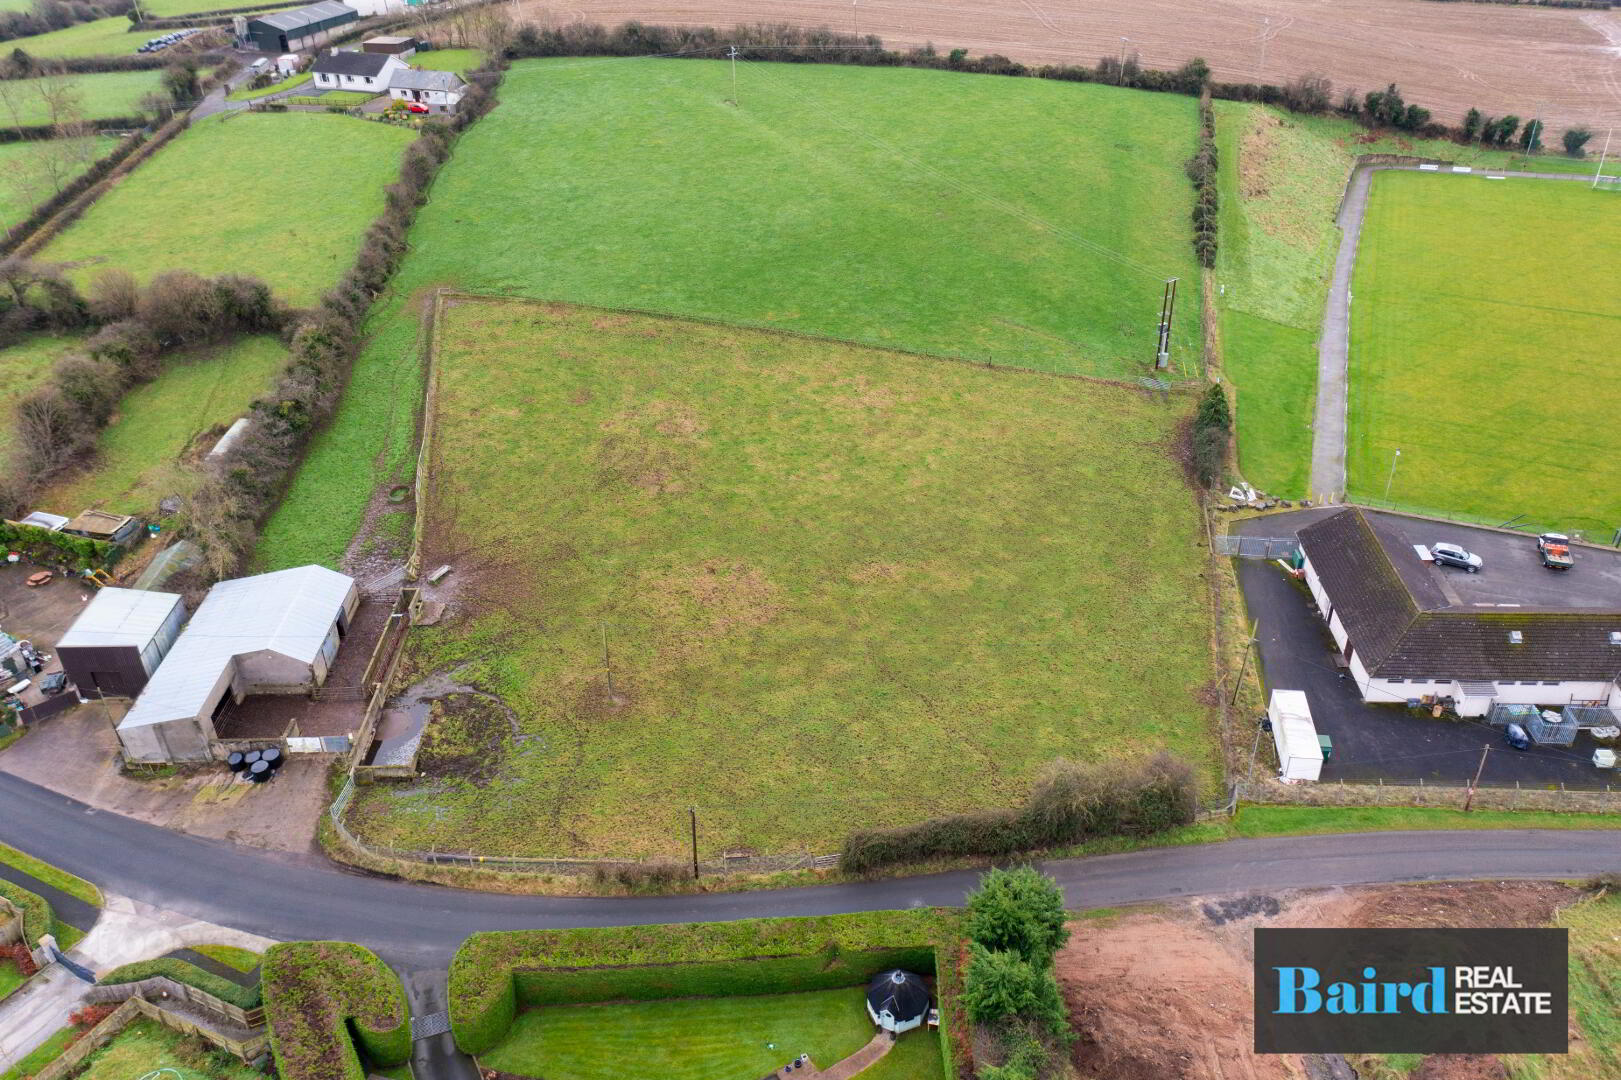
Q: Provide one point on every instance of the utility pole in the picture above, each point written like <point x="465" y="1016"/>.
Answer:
<point x="692" y="811"/>
<point x="1602" y="155"/>
<point x="1167" y="309"/>
<point x="1469" y="800"/>
<point x="1243" y="667"/>
<point x="1120" y="73"/>
<point x="733" y="56"/>
<point x="1391" y="479"/>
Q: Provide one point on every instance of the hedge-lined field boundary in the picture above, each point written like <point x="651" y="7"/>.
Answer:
<point x="326" y="1002"/>
<point x="495" y="974"/>
<point x="243" y="997"/>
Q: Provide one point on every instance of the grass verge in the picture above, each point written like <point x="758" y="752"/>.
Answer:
<point x="243" y="960"/>
<point x="50" y="875"/>
<point x="244" y="997"/>
<point x="42" y="1055"/>
<point x="288" y="83"/>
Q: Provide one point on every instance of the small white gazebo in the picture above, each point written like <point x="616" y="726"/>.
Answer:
<point x="898" y="1001"/>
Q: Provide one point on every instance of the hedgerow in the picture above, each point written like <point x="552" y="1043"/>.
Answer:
<point x="319" y="993"/>
<point x="495" y="974"/>
<point x="1071" y="803"/>
<point x="36" y="912"/>
<point x="43" y="546"/>
<point x="243" y="997"/>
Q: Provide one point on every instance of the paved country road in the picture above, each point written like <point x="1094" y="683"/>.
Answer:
<point x="419" y="926"/>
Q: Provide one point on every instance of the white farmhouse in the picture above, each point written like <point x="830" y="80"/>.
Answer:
<point x="440" y="91"/>
<point x="366" y="72"/>
<point x="1513" y="633"/>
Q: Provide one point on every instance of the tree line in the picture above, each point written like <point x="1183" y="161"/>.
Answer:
<point x="44" y="16"/>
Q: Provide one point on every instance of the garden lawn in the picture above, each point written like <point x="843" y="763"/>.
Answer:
<point x="42" y="1055"/>
<point x="100" y="37"/>
<point x="344" y="98"/>
<point x="148" y="451"/>
<point x="283" y="196"/>
<point x="23" y="368"/>
<point x="145" y="1046"/>
<point x="461" y="61"/>
<point x="735" y="1038"/>
<point x="799" y="555"/>
<point x="108" y="94"/>
<point x="925" y="210"/>
<point x="1282" y="176"/>
<point x="1486" y="346"/>
<point x="274" y="88"/>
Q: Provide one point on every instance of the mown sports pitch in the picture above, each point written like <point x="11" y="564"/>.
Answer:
<point x="803" y="585"/>
<point x="926" y="210"/>
<point x="1485" y="337"/>
<point x="282" y="196"/>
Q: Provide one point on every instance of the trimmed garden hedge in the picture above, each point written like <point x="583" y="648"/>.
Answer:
<point x="495" y="974"/>
<point x="317" y="994"/>
<point x="48" y="546"/>
<point x="37" y="917"/>
<point x="243" y="997"/>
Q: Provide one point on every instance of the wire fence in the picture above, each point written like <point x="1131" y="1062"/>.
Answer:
<point x="523" y="864"/>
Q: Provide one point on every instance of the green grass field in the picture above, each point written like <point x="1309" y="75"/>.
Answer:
<point x="169" y="9"/>
<point x="100" y="37"/>
<point x="114" y="93"/>
<point x="1484" y="341"/>
<point x="1282" y="176"/>
<point x="609" y="192"/>
<point x="23" y="368"/>
<point x="799" y="554"/>
<point x="735" y="1038"/>
<point x="147" y="451"/>
<point x="145" y="1046"/>
<point x="284" y="196"/>
<point x="28" y="169"/>
<point x="1595" y="998"/>
<point x="274" y="88"/>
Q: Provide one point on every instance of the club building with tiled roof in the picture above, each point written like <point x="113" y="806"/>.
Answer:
<point x="1514" y="633"/>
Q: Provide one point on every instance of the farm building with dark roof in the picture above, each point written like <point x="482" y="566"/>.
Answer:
<point x="296" y="30"/>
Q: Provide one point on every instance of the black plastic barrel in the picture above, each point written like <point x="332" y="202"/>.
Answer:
<point x="251" y="756"/>
<point x="235" y="762"/>
<point x="272" y="757"/>
<point x="259" y="772"/>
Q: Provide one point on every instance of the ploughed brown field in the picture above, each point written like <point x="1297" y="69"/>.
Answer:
<point x="1446" y="57"/>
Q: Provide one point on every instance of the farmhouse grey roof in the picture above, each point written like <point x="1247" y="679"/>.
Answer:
<point x="304" y="16"/>
<point x="120" y="617"/>
<point x="353" y="63"/>
<point x="290" y="612"/>
<point x="412" y="79"/>
<point x="1409" y="618"/>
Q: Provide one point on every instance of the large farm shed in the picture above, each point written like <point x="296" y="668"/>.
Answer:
<point x="296" y="30"/>
<point x="119" y="640"/>
<point x="271" y="634"/>
<point x="1515" y="633"/>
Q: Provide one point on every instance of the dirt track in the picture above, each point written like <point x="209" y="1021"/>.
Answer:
<point x="1446" y="57"/>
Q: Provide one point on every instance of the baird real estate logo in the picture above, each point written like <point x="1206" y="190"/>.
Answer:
<point x="1411" y="991"/>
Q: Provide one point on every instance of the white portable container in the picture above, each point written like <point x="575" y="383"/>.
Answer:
<point x="1300" y="756"/>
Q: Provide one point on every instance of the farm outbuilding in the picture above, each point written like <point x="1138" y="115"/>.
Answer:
<point x="296" y="30"/>
<point x="274" y="633"/>
<point x="898" y="1000"/>
<point x="119" y="639"/>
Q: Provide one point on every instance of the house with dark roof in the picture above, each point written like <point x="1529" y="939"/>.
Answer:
<point x="437" y="91"/>
<point x="366" y="72"/>
<point x="296" y="30"/>
<point x="1513" y="633"/>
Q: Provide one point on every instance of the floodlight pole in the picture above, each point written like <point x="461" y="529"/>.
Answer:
<point x="733" y="55"/>
<point x="1602" y="155"/>
<point x="1392" y="477"/>
<point x="1167" y="310"/>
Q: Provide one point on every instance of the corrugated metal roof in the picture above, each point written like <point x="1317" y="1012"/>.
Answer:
<point x="412" y="79"/>
<point x="120" y="617"/>
<point x="288" y="612"/>
<point x="304" y="16"/>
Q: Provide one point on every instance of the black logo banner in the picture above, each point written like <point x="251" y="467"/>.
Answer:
<point x="1411" y="991"/>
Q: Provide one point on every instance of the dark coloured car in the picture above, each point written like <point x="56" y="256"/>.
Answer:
<point x="1515" y="736"/>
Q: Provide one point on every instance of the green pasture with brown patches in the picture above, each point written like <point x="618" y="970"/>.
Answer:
<point x="801" y="585"/>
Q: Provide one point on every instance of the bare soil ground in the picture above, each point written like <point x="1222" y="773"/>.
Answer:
<point x="1166" y="995"/>
<point x="1445" y="57"/>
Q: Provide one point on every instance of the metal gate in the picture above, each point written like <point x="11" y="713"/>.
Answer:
<point x="1257" y="547"/>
